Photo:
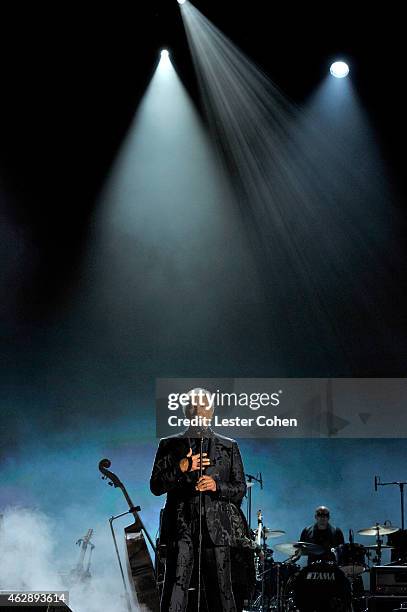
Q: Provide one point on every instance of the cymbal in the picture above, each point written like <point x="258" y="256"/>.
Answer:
<point x="378" y="530"/>
<point x="273" y="533"/>
<point x="376" y="546"/>
<point x="306" y="548"/>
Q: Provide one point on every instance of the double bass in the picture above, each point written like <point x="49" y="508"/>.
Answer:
<point x="139" y="564"/>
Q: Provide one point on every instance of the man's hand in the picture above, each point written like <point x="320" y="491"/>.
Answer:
<point x="196" y="462"/>
<point x="206" y="483"/>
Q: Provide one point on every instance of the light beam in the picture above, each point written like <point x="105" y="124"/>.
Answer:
<point x="304" y="202"/>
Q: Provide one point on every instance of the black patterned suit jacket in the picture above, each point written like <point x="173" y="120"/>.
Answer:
<point x="227" y="470"/>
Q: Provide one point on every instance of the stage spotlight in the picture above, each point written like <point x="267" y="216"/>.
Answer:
<point x="339" y="70"/>
<point x="165" y="54"/>
<point x="181" y="1"/>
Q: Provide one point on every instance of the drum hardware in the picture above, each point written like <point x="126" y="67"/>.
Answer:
<point x="358" y="593"/>
<point x="377" y="549"/>
<point x="270" y="575"/>
<point x="400" y="484"/>
<point x="250" y="480"/>
<point x="351" y="559"/>
<point x="282" y="577"/>
<point x="260" y="563"/>
<point x="378" y="531"/>
<point x="304" y="548"/>
<point x="277" y="575"/>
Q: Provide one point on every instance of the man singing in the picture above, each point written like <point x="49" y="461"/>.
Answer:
<point x="176" y="471"/>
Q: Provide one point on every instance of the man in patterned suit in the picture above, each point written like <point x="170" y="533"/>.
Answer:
<point x="176" y="473"/>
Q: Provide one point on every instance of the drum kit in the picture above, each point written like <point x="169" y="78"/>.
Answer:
<point x="322" y="585"/>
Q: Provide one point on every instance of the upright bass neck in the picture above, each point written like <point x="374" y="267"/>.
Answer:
<point x="139" y="564"/>
<point x="114" y="480"/>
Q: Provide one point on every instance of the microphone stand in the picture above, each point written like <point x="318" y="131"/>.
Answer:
<point x="400" y="484"/>
<point x="200" y="526"/>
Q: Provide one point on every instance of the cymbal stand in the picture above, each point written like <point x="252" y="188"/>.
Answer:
<point x="379" y="541"/>
<point x="400" y="484"/>
<point x="261" y="563"/>
<point x="263" y="573"/>
<point x="250" y="480"/>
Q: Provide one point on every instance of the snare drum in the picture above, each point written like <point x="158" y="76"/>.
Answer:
<point x="351" y="559"/>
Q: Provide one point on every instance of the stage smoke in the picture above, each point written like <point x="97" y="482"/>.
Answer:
<point x="31" y="560"/>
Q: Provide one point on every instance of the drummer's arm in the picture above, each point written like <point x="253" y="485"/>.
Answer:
<point x="339" y="537"/>
<point x="304" y="535"/>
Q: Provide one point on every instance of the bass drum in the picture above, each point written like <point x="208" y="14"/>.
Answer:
<point x="319" y="587"/>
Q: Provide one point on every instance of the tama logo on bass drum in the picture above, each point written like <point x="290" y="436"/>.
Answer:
<point x="321" y="576"/>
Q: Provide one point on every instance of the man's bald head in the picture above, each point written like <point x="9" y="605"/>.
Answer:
<point x="322" y="515"/>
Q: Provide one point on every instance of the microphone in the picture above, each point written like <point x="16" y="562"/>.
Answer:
<point x="350" y="536"/>
<point x="201" y="457"/>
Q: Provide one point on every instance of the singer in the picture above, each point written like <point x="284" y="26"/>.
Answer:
<point x="198" y="470"/>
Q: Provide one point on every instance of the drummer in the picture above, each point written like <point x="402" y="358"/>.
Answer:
<point x="324" y="534"/>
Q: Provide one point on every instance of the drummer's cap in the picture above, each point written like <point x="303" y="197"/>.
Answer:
<point x="322" y="511"/>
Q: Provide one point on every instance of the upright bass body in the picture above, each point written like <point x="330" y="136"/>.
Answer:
<point x="138" y="560"/>
<point x="140" y="568"/>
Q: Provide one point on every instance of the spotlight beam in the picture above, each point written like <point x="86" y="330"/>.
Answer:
<point x="307" y="211"/>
